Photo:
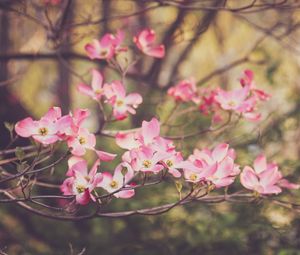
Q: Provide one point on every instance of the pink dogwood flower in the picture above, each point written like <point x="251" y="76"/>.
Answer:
<point x="264" y="178"/>
<point x="147" y="135"/>
<point x="44" y="130"/>
<point x="96" y="91"/>
<point x="146" y="159"/>
<point x="69" y="125"/>
<point x="239" y="101"/>
<point x="119" y="181"/>
<point x="82" y="183"/>
<point x="175" y="162"/>
<point x="234" y="100"/>
<point x="121" y="103"/>
<point x="216" y="166"/>
<point x="196" y="175"/>
<point x="106" y="47"/>
<point x="145" y="41"/>
<point x="184" y="91"/>
<point x="81" y="141"/>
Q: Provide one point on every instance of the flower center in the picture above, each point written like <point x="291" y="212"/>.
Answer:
<point x="232" y="104"/>
<point x="80" y="188"/>
<point x="147" y="163"/>
<point x="82" y="140"/>
<point x="98" y="91"/>
<point x="119" y="103"/>
<point x="169" y="163"/>
<point x="193" y="177"/>
<point x="113" y="184"/>
<point x="103" y="53"/>
<point x="43" y="131"/>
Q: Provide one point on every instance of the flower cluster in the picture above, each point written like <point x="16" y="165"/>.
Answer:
<point x="242" y="101"/>
<point x="147" y="151"/>
<point x="82" y="184"/>
<point x="215" y="166"/>
<point x="264" y="178"/>
<point x="110" y="45"/>
<point x="114" y="93"/>
<point x="53" y="127"/>
<point x="107" y="47"/>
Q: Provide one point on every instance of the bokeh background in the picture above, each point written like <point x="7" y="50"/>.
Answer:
<point x="42" y="59"/>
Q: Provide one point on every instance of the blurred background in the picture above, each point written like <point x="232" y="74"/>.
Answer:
<point x="42" y="59"/>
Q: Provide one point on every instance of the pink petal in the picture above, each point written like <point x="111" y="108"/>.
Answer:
<point x="97" y="81"/>
<point x="91" y="49"/>
<point x="125" y="193"/>
<point x="46" y="140"/>
<point x="260" y="164"/>
<point x="150" y="130"/>
<point x="98" y="178"/>
<point x="225" y="168"/>
<point x="71" y="162"/>
<point x="223" y="182"/>
<point x="220" y="151"/>
<point x="26" y="127"/>
<point x="85" y="89"/>
<point x="156" y="52"/>
<point x="209" y="171"/>
<point x="127" y="141"/>
<point x="94" y="168"/>
<point x="80" y="167"/>
<point x="134" y="99"/>
<point x="53" y="114"/>
<point x="80" y="115"/>
<point x="83" y="198"/>
<point x="67" y="186"/>
<point x="249" y="74"/>
<point x="118" y="89"/>
<point x="248" y="178"/>
<point x="105" y="156"/>
<point x="77" y="148"/>
<point x="271" y="190"/>
<point x="91" y="141"/>
<point x="252" y="116"/>
<point x="107" y="179"/>
<point x="270" y="177"/>
<point x="174" y="172"/>
<point x="284" y="183"/>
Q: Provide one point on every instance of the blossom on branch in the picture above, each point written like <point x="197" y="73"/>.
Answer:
<point x="96" y="90"/>
<point x="44" y="130"/>
<point x="145" y="41"/>
<point x="214" y="166"/>
<point x="264" y="178"/>
<point x="184" y="91"/>
<point x="82" y="183"/>
<point x="119" y="181"/>
<point x="121" y="103"/>
<point x="106" y="47"/>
